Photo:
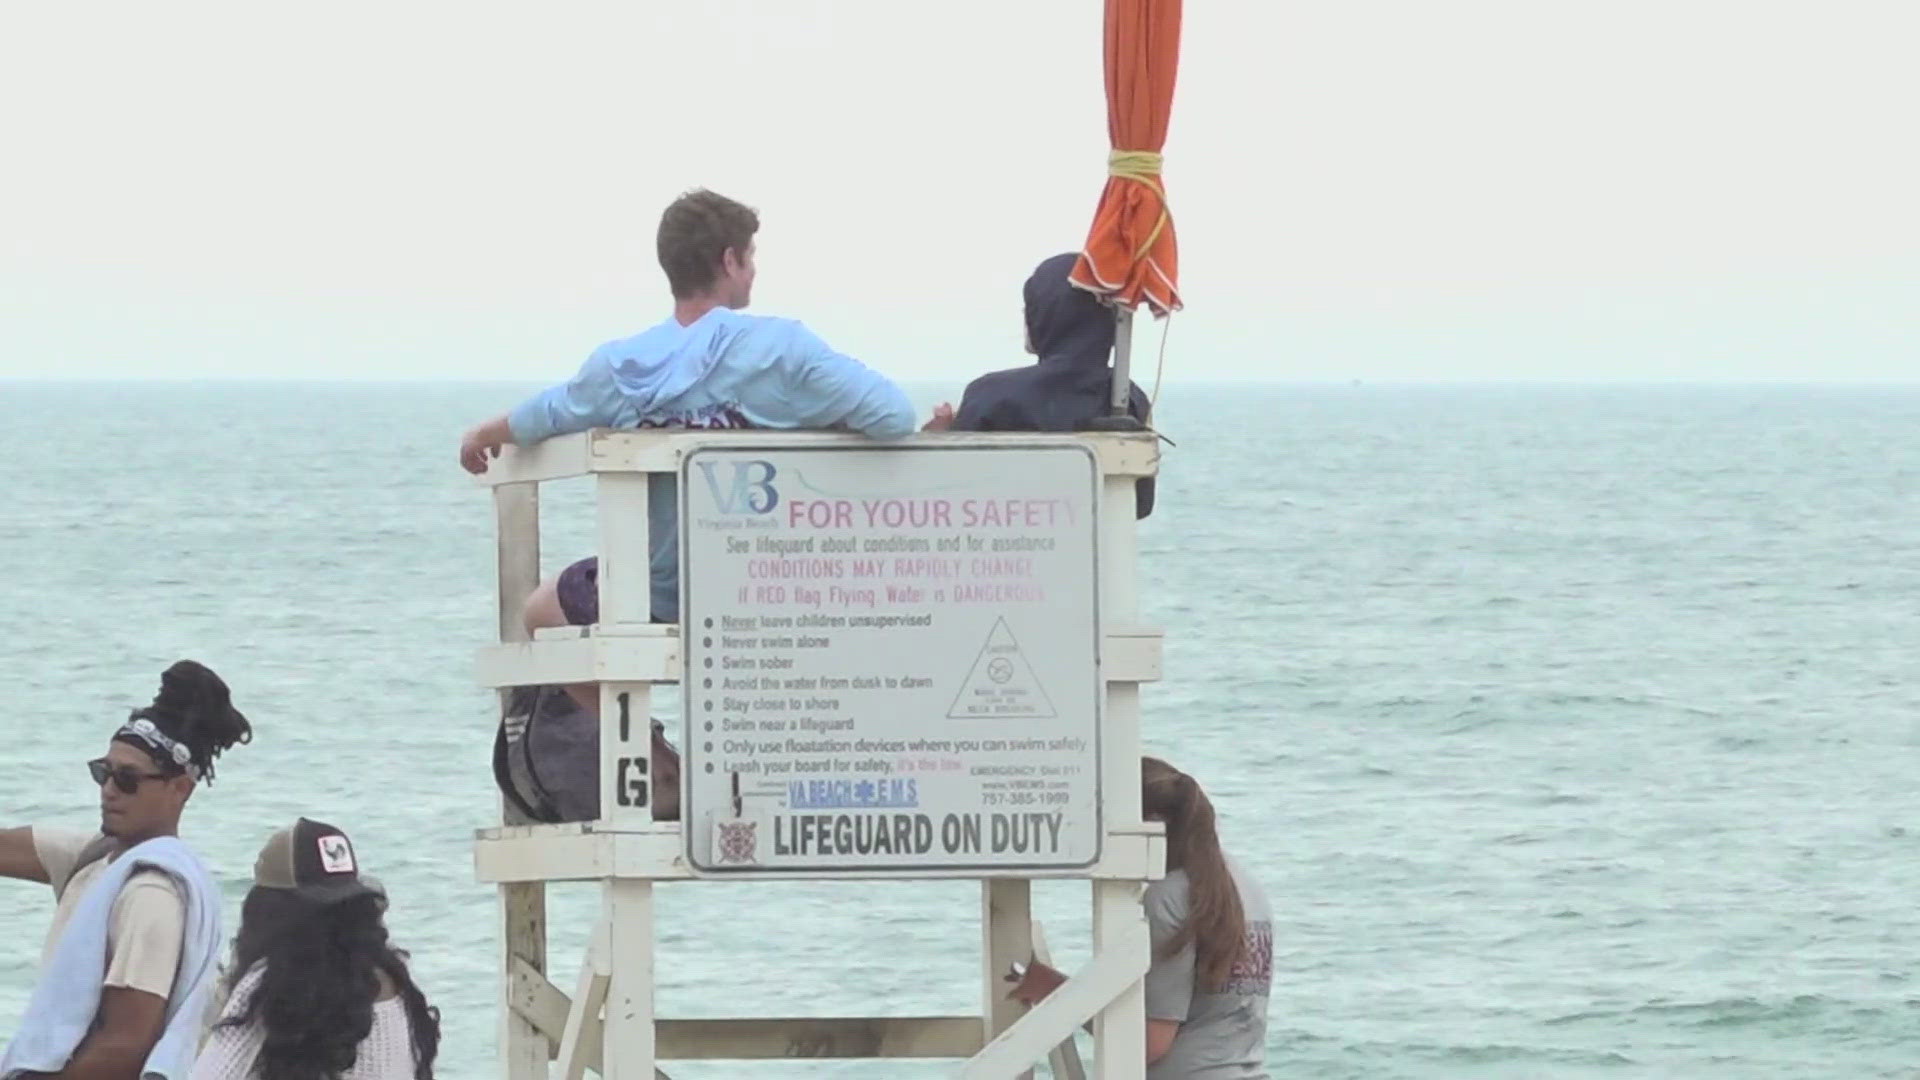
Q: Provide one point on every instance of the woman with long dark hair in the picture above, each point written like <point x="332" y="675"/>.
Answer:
<point x="1212" y="944"/>
<point x="1212" y="931"/>
<point x="316" y="991"/>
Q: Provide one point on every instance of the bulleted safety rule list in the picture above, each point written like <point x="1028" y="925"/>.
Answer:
<point x="891" y="658"/>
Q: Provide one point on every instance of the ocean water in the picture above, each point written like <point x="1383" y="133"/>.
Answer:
<point x="1571" y="729"/>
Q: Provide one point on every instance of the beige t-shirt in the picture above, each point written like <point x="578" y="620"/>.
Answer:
<point x="149" y="916"/>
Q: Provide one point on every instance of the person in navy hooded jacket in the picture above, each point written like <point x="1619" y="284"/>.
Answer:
<point x="1072" y="334"/>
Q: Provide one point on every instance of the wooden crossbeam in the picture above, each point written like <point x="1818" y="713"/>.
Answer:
<point x="1064" y="1059"/>
<point x="581" y="1046"/>
<point x="1110" y="974"/>
<point x="819" y="1037"/>
<point x="626" y="451"/>
<point x="550" y="1011"/>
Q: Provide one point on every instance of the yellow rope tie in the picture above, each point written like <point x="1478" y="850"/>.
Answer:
<point x="1141" y="167"/>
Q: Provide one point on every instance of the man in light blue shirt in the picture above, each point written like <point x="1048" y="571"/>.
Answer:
<point x="708" y="366"/>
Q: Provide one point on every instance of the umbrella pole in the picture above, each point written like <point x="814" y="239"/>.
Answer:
<point x="1122" y="360"/>
<point x="1118" y="418"/>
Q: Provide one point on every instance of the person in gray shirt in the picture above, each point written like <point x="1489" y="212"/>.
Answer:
<point x="1212" y="932"/>
<point x="1212" y="944"/>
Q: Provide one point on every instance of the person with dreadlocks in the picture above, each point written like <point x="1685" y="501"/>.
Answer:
<point x="1212" y="932"/>
<point x="132" y="953"/>
<point x="316" y="991"/>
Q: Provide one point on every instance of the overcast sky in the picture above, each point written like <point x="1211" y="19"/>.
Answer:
<point x="1463" y="189"/>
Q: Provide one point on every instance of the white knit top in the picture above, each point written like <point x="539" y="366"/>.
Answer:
<point x="230" y="1052"/>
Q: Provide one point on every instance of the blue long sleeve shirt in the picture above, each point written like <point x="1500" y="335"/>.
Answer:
<point x="724" y="370"/>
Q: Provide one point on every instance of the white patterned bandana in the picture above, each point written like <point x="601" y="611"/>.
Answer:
<point x="158" y="743"/>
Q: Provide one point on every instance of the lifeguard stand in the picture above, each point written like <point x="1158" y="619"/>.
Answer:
<point x="609" y="1023"/>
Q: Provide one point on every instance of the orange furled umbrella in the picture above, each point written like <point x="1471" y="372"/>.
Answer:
<point x="1130" y="255"/>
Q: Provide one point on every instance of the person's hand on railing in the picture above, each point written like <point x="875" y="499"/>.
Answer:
<point x="1033" y="981"/>
<point x="483" y="442"/>
<point x="942" y="418"/>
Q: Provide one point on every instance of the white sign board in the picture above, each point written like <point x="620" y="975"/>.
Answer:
<point x="892" y="659"/>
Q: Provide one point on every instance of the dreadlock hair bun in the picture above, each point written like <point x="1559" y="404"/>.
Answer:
<point x="195" y="708"/>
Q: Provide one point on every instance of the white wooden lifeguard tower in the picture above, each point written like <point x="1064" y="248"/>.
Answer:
<point x="957" y="697"/>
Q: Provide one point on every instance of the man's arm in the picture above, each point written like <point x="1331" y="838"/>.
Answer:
<point x="482" y="443"/>
<point x="834" y="390"/>
<point x="17" y="857"/>
<point x="588" y="400"/>
<point x="131" y="1023"/>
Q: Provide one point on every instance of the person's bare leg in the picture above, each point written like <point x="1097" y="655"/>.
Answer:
<point x="542" y="611"/>
<point x="542" y="608"/>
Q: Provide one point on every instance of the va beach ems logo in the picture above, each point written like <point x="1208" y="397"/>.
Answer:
<point x="737" y="841"/>
<point x="336" y="855"/>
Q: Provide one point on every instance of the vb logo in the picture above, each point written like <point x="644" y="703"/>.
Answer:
<point x="751" y="492"/>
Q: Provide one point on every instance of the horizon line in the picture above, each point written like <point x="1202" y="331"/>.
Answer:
<point x="1327" y="380"/>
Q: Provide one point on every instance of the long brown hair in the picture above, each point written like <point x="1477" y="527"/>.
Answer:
<point x="1216" y="924"/>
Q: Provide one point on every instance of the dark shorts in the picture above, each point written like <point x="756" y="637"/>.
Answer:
<point x="578" y="591"/>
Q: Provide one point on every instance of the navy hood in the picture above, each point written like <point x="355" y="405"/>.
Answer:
<point x="1066" y="325"/>
<point x="1072" y="333"/>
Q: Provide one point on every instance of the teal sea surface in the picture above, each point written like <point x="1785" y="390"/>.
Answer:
<point x="1571" y="729"/>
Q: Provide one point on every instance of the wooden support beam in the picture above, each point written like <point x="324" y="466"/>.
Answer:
<point x="1129" y="455"/>
<point x="537" y="1001"/>
<point x="1006" y="931"/>
<point x="1110" y="975"/>
<point x="516" y="512"/>
<point x="595" y="658"/>
<point x="1064" y="1059"/>
<point x="549" y="459"/>
<point x="523" y="905"/>
<point x="523" y="908"/>
<point x="595" y="851"/>
<point x="547" y="1007"/>
<point x="819" y="1037"/>
<point x="580" y="1041"/>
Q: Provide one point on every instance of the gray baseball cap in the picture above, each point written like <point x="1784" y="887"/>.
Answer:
<point x="316" y="861"/>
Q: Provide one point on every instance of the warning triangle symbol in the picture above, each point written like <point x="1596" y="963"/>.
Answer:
<point x="1001" y="682"/>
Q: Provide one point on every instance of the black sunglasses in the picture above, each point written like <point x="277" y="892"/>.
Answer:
<point x="126" y="777"/>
